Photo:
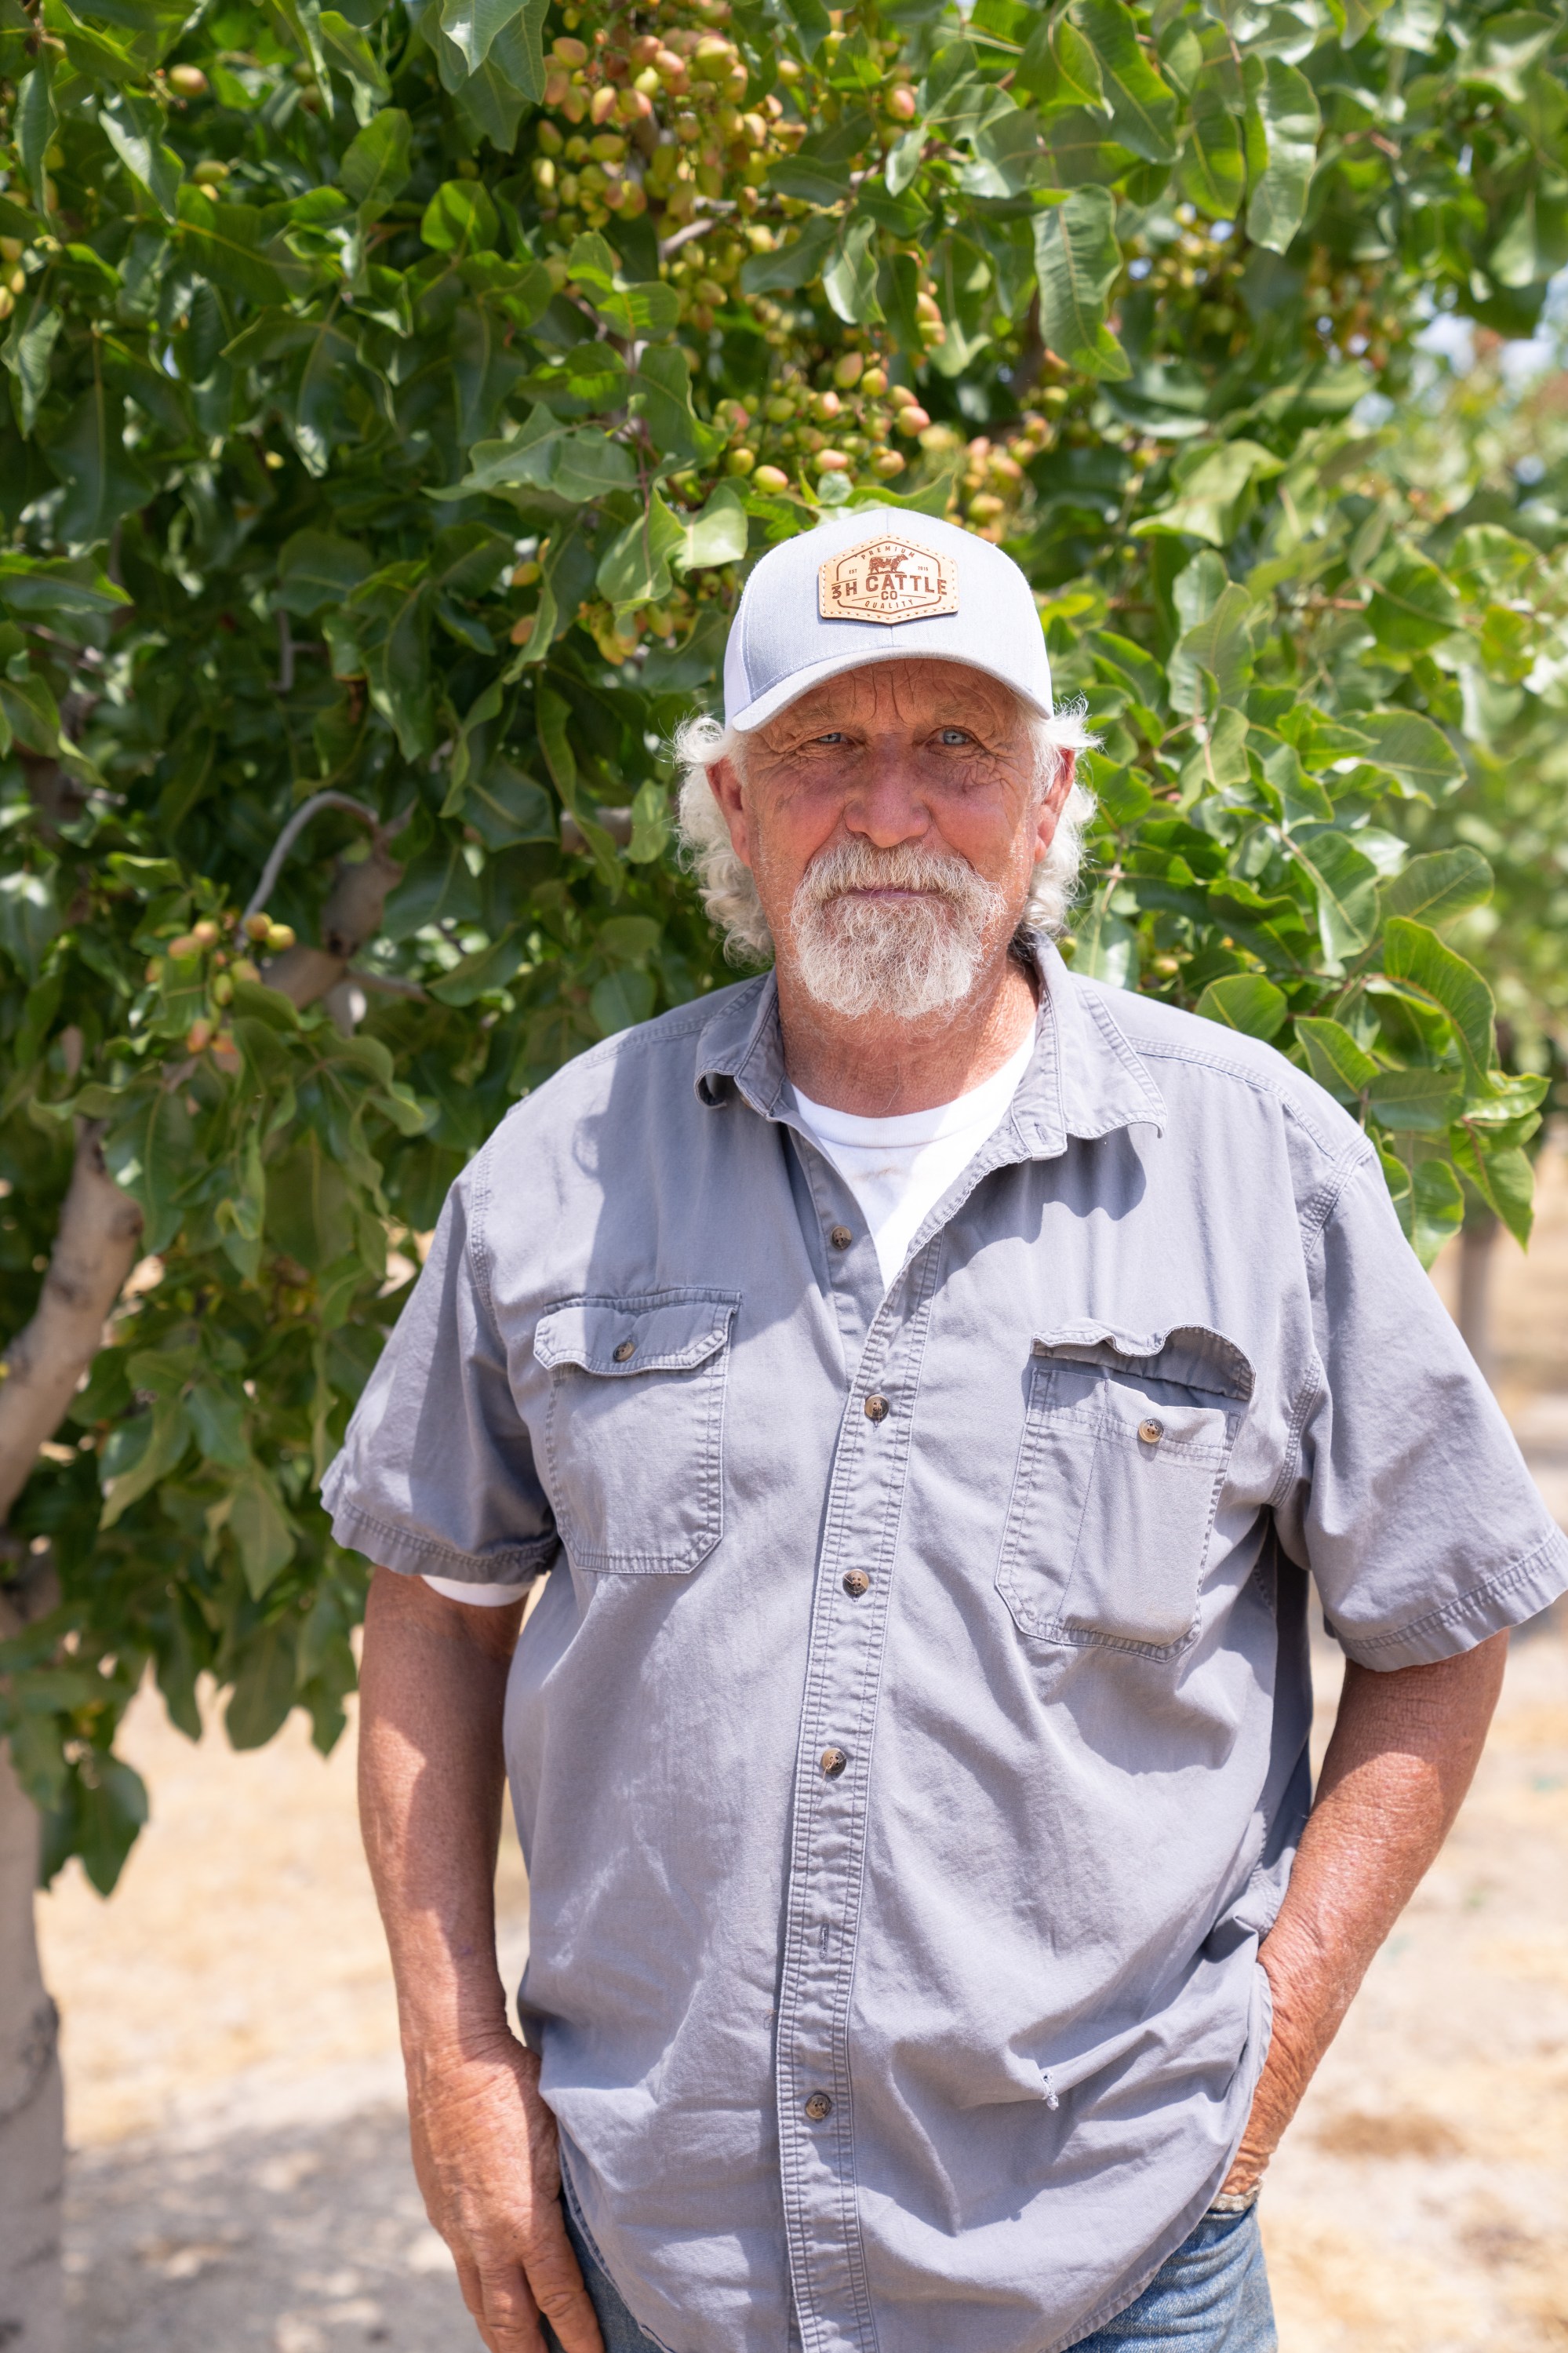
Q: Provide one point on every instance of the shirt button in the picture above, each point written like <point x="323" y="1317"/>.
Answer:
<point x="818" y="2107"/>
<point x="833" y="1761"/>
<point x="626" y="1348"/>
<point x="1151" y="1431"/>
<point x="876" y="1409"/>
<point x="856" y="1583"/>
<point x="841" y="1236"/>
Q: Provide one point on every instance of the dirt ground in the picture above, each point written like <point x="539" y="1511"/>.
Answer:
<point x="240" y="2178"/>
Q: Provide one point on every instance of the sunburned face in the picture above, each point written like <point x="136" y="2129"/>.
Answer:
<point x="893" y="819"/>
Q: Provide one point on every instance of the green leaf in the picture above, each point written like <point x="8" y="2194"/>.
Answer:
<point x="349" y="51"/>
<point x="218" y="1419"/>
<point x="1346" y="886"/>
<point x="588" y="465"/>
<point x="26" y="350"/>
<point x="461" y="219"/>
<point x="1439" y="885"/>
<point x="1105" y="947"/>
<point x="377" y="165"/>
<point x="309" y="1206"/>
<point x="789" y="265"/>
<point x="148" y="1151"/>
<point x="1334" y="1058"/>
<point x="1058" y="67"/>
<point x="1215" y="491"/>
<point x="1505" y="1180"/>
<point x="264" y="1687"/>
<point x="36" y="124"/>
<point x="1436" y="1208"/>
<point x="1220" y="646"/>
<point x="488" y="969"/>
<point x="1411" y="748"/>
<point x="103" y="481"/>
<point x="1414" y="954"/>
<point x="29" y="918"/>
<point x="1213" y="168"/>
<point x="131" y="129"/>
<point x="1245" y="1001"/>
<point x="636" y="567"/>
<point x="718" y="535"/>
<point x="1282" y="127"/>
<point x="391" y="618"/>
<point x="1142" y="108"/>
<point x="505" y="807"/>
<point x="1412" y="606"/>
<point x="226" y="243"/>
<point x="621" y="999"/>
<point x="1078" y="259"/>
<point x="849" y="277"/>
<point x="140" y="1453"/>
<point x="661" y="397"/>
<point x="1416" y="1102"/>
<point x="109" y="1809"/>
<point x="316" y="568"/>
<point x="632" y="310"/>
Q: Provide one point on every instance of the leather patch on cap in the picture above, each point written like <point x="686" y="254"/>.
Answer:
<point x="886" y="580"/>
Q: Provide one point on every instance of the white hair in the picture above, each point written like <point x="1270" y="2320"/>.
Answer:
<point x="729" y="890"/>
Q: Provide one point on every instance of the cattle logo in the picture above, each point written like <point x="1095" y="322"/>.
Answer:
<point x="886" y="580"/>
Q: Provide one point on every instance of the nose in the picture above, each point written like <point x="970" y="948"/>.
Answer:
<point x="885" y="808"/>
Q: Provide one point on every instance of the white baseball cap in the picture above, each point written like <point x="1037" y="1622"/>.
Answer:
<point x="880" y="584"/>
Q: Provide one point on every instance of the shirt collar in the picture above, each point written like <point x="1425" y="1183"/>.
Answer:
<point x="1085" y="1081"/>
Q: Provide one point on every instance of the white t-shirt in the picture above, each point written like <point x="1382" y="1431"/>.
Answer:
<point x="898" y="1169"/>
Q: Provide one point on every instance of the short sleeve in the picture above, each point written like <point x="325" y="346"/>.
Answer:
<point x="1411" y="1503"/>
<point x="437" y="1474"/>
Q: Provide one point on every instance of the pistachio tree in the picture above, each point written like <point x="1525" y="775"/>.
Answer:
<point x="395" y="396"/>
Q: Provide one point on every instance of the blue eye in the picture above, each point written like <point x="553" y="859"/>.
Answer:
<point x="956" y="736"/>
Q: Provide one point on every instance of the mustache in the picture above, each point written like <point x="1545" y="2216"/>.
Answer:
<point x="852" y="866"/>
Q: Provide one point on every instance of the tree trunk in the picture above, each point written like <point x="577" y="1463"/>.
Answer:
<point x="32" y="2098"/>
<point x="94" y="1248"/>
<point x="1477" y="1239"/>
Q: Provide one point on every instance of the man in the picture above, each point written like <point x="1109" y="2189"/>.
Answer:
<point x="925" y="1381"/>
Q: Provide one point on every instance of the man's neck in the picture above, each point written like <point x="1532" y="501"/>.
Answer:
<point x="880" y="1068"/>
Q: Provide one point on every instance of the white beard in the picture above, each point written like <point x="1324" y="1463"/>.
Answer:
<point x="910" y="959"/>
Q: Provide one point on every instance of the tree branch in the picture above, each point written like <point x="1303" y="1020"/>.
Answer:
<point x="95" y="1248"/>
<point x="291" y="835"/>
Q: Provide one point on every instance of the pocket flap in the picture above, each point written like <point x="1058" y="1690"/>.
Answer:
<point x="1188" y="1354"/>
<point x="654" y="1332"/>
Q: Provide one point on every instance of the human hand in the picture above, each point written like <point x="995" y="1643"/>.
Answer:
<point x="488" y="2163"/>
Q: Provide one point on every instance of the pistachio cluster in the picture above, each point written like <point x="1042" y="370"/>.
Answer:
<point x="637" y="119"/>
<point x="197" y="968"/>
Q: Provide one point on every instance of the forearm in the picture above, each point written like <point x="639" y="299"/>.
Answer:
<point x="1404" y="1749"/>
<point x="432" y="1693"/>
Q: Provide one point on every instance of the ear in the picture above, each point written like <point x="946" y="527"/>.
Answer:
<point x="725" y="786"/>
<point x="1047" y="816"/>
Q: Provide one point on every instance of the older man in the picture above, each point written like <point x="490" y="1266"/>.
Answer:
<point x="926" y="1381"/>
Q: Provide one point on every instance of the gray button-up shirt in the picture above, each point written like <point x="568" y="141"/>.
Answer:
<point x="910" y="1745"/>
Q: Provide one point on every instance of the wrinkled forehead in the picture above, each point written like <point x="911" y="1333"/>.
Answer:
<point x="900" y="695"/>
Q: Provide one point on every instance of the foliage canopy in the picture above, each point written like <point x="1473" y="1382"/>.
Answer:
<point x="396" y="396"/>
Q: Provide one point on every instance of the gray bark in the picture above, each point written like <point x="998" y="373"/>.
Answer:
<point x="95" y="1248"/>
<point x="32" y="2098"/>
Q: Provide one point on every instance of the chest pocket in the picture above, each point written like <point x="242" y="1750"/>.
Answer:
<point x="1125" y="1447"/>
<point x="634" y="1432"/>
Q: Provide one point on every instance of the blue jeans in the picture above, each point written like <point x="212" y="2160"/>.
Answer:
<point x="1210" y="2297"/>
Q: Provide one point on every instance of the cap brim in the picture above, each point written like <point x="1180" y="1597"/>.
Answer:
<point x="800" y="682"/>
